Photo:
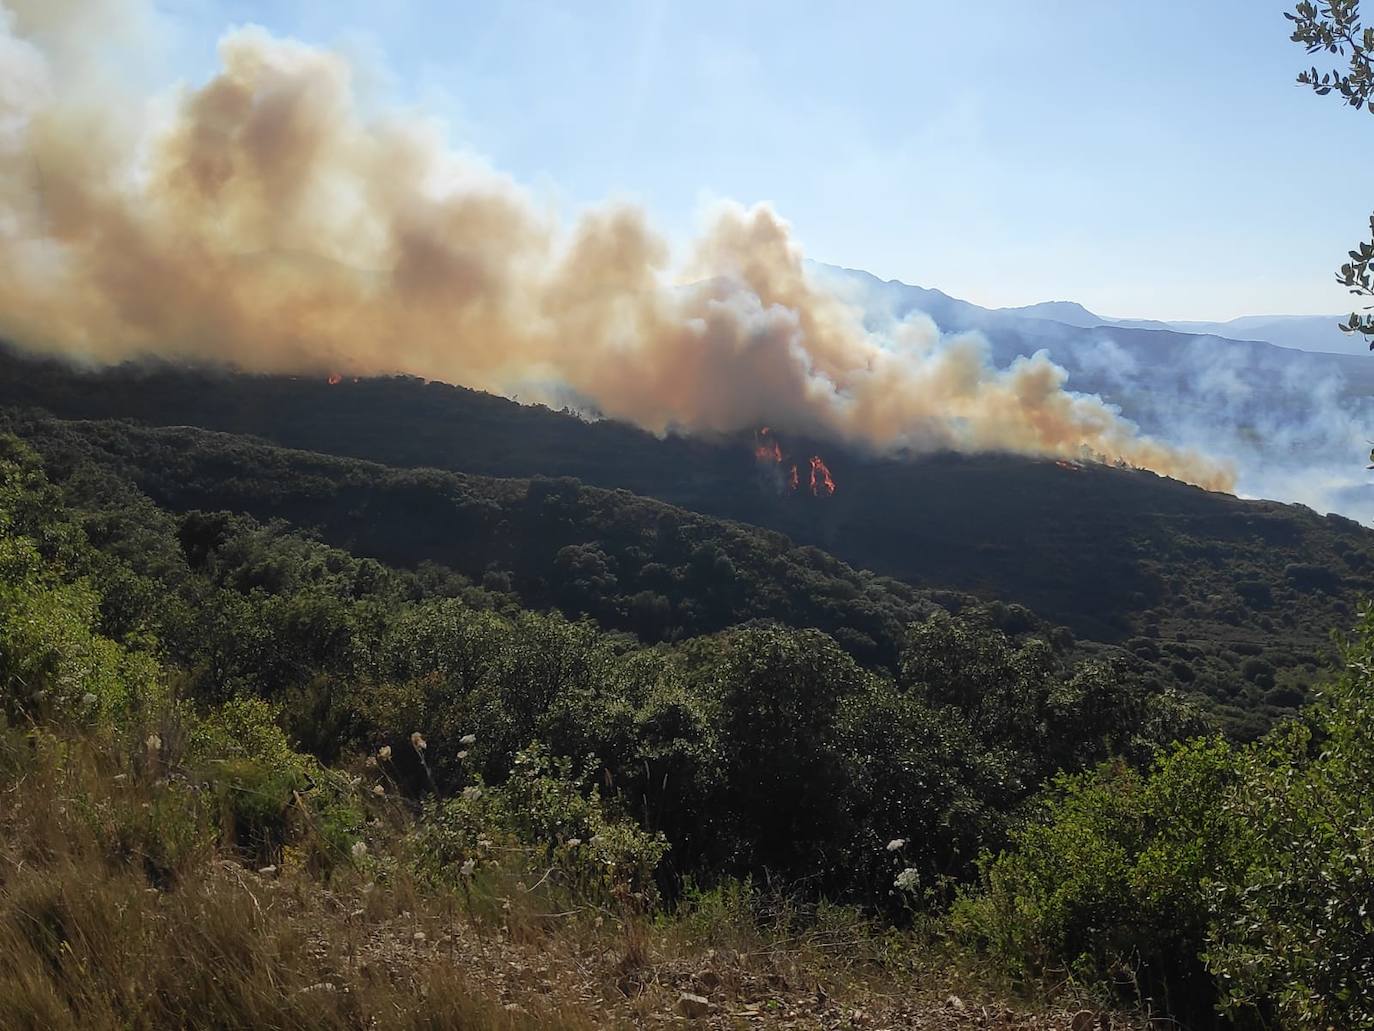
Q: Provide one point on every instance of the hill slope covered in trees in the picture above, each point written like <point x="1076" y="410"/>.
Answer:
<point x="301" y="773"/>
<point x="1232" y="599"/>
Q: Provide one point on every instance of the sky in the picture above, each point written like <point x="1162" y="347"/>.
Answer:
<point x="1149" y="160"/>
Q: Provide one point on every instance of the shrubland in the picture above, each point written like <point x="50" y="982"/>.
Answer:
<point x="254" y="780"/>
<point x="1231" y="601"/>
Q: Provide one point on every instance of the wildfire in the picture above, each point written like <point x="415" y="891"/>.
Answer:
<point x="766" y="447"/>
<point x="822" y="484"/>
<point x="335" y="379"/>
<point x="1071" y="466"/>
<point x="768" y="453"/>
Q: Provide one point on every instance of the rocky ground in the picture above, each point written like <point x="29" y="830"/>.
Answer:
<point x="575" y="970"/>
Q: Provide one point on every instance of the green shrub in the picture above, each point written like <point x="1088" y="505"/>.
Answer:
<point x="1295" y="932"/>
<point x="1112" y="883"/>
<point x="268" y="793"/>
<point x="550" y="809"/>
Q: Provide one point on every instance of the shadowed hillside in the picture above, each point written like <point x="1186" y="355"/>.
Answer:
<point x="1235" y="597"/>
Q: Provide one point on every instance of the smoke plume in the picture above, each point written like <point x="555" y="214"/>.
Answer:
<point x="262" y="220"/>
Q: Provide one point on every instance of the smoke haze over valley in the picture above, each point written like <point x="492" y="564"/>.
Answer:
<point x="266" y="220"/>
<point x="1294" y="423"/>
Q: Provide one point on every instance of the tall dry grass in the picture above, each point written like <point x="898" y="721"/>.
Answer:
<point x="120" y="908"/>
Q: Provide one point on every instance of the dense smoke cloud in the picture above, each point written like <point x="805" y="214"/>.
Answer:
<point x="260" y="220"/>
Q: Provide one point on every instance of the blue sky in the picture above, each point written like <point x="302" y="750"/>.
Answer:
<point x="1147" y="159"/>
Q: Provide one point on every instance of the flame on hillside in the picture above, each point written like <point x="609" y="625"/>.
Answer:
<point x="822" y="485"/>
<point x="768" y="453"/>
<point x="766" y="447"/>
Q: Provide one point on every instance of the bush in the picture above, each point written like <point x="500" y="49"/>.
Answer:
<point x="1112" y="882"/>
<point x="550" y="810"/>
<point x="1295" y="933"/>
<point x="268" y="793"/>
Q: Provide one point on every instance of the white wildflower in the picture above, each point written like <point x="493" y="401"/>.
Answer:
<point x="359" y="849"/>
<point x="896" y="844"/>
<point x="573" y="842"/>
<point x="468" y="740"/>
<point x="384" y="753"/>
<point x="469" y="865"/>
<point x="88" y="699"/>
<point x="378" y="790"/>
<point x="472" y="793"/>
<point x="463" y="754"/>
<point x="417" y="742"/>
<point x="154" y="743"/>
<point x="908" y="879"/>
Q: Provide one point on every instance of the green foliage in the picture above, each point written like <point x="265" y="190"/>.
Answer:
<point x="1135" y="559"/>
<point x="782" y="787"/>
<point x="53" y="658"/>
<point x="763" y="750"/>
<point x="165" y="837"/>
<point x="919" y="775"/>
<point x="1334" y="27"/>
<point x="229" y="663"/>
<point x="1238" y="878"/>
<point x="1295" y="932"/>
<point x="1112" y="881"/>
<point x="550" y="811"/>
<point x="267" y="792"/>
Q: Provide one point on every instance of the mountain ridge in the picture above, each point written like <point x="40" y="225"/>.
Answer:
<point x="1320" y="334"/>
<point x="1121" y="556"/>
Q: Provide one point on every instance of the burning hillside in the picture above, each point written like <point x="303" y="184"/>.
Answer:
<point x="782" y="471"/>
<point x="264" y="219"/>
<point x="821" y="483"/>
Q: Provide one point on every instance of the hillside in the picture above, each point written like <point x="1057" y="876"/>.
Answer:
<point x="1231" y="598"/>
<point x="660" y="572"/>
<point x="255" y="781"/>
<point x="262" y="778"/>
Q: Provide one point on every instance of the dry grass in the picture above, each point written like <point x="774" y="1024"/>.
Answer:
<point x="82" y="947"/>
<point x="120" y="907"/>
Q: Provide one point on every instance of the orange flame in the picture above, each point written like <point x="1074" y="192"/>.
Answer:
<point x="335" y="379"/>
<point x="1071" y="466"/>
<point x="822" y="484"/>
<point x="766" y="447"/>
<point x="768" y="450"/>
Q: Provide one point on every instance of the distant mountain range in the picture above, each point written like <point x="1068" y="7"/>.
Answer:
<point x="1288" y="399"/>
<point x="1320" y="333"/>
<point x="1300" y="332"/>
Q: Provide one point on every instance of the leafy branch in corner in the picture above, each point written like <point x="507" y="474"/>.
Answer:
<point x="1334" y="27"/>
